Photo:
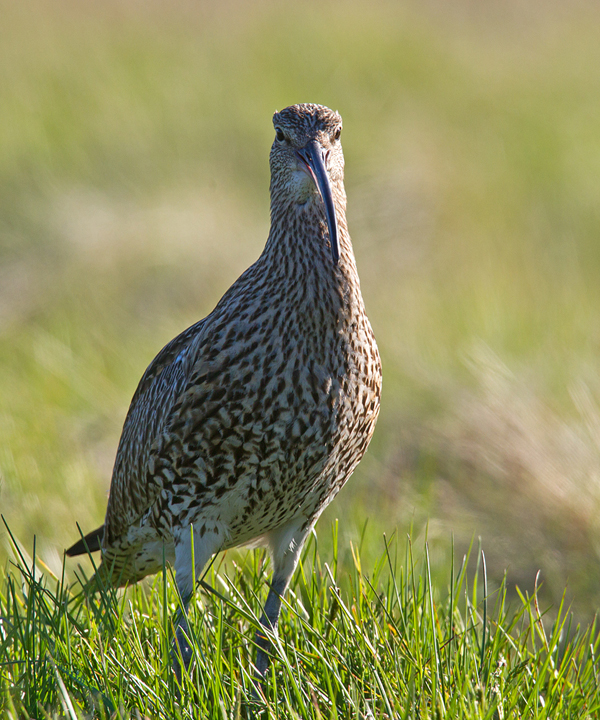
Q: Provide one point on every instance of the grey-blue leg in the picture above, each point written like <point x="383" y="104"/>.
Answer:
<point x="285" y="544"/>
<point x="269" y="620"/>
<point x="182" y="650"/>
<point x="186" y="573"/>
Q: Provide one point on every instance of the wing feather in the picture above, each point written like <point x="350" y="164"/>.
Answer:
<point x="131" y="492"/>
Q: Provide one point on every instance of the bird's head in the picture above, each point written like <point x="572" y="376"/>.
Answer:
<point x="307" y="160"/>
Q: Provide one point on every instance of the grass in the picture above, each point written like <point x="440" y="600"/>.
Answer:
<point x="384" y="644"/>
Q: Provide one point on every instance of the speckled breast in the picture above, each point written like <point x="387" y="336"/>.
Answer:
<point x="280" y="437"/>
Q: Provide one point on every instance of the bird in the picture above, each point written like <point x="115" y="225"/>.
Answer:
<point x="246" y="425"/>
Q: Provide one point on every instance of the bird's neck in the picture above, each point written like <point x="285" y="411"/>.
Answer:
<point x="315" y="297"/>
<point x="298" y="250"/>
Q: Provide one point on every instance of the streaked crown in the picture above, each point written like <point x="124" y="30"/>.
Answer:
<point x="301" y="123"/>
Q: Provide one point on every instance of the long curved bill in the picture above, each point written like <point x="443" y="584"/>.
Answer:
<point x="312" y="156"/>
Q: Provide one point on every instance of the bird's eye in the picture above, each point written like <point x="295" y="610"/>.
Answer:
<point x="337" y="134"/>
<point x="279" y="134"/>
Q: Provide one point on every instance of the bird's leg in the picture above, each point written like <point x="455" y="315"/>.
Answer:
<point x="285" y="543"/>
<point x="182" y="651"/>
<point x="269" y="620"/>
<point x="192" y="552"/>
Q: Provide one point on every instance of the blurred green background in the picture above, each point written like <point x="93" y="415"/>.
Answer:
<point x="134" y="140"/>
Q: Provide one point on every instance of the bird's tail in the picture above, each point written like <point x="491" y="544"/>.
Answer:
<point x="88" y="543"/>
<point x="114" y="570"/>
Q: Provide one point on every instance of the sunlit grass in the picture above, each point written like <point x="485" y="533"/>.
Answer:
<point x="385" y="643"/>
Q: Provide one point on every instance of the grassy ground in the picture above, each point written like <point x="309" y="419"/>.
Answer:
<point x="134" y="189"/>
<point x="392" y="645"/>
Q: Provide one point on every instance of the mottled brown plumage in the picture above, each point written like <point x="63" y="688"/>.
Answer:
<point x="248" y="423"/>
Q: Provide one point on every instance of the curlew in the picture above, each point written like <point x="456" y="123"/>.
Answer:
<point x="245" y="426"/>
